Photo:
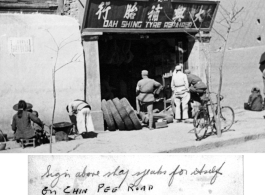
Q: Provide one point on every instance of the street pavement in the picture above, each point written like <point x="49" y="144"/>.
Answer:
<point x="176" y="138"/>
<point x="253" y="146"/>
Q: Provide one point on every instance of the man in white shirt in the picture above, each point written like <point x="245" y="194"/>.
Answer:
<point x="82" y="111"/>
<point x="180" y="88"/>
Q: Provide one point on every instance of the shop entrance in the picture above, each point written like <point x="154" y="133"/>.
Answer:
<point x="123" y="56"/>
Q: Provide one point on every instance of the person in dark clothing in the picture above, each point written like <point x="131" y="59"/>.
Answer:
<point x="196" y="86"/>
<point x="255" y="101"/>
<point x="145" y="90"/>
<point x="21" y="123"/>
<point x="41" y="136"/>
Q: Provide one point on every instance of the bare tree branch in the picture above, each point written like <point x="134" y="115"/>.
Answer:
<point x="219" y="34"/>
<point x="224" y="17"/>
<point x="167" y="16"/>
<point x="54" y="70"/>
<point x="238" y="28"/>
<point x="193" y="21"/>
<point x="220" y="21"/>
<point x="223" y="25"/>
<point x="68" y="43"/>
<point x="225" y="10"/>
<point x="237" y="13"/>
<point x="53" y="38"/>
<point x="71" y="61"/>
<point x="51" y="48"/>
<point x="65" y="40"/>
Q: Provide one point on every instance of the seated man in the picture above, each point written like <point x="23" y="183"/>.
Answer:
<point x="255" y="102"/>
<point x="21" y="123"/>
<point x="39" y="131"/>
<point x="196" y="86"/>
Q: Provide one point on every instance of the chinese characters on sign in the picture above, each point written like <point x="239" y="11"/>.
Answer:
<point x="130" y="11"/>
<point x="147" y="15"/>
<point x="103" y="8"/>
<point x="20" y="45"/>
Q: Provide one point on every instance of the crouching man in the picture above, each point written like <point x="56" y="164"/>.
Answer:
<point x="82" y="110"/>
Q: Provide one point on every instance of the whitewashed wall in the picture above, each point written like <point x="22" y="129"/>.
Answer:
<point x="28" y="76"/>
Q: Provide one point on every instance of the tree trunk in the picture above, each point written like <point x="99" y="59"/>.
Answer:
<point x="218" y="122"/>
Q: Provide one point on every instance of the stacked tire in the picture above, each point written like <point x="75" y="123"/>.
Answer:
<point x="119" y="114"/>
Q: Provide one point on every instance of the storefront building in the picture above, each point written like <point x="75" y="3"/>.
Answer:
<point x="121" y="38"/>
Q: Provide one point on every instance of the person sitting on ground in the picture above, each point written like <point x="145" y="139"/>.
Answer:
<point x="39" y="131"/>
<point x="21" y="123"/>
<point x="255" y="101"/>
<point x="196" y="86"/>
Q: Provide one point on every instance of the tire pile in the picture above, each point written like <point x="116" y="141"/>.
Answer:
<point x="119" y="114"/>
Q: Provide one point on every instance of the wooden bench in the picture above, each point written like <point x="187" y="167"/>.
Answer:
<point x="25" y="142"/>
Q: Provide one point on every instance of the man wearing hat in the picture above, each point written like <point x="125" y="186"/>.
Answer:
<point x="145" y="90"/>
<point x="21" y="122"/>
<point x="181" y="95"/>
<point x="197" y="87"/>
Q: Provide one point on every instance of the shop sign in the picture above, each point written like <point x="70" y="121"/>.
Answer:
<point x="162" y="14"/>
<point x="19" y="45"/>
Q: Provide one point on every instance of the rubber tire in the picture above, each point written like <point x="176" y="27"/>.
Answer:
<point x="200" y="134"/>
<point x="108" y="116"/>
<point x="131" y="113"/>
<point x="116" y="115"/>
<point x="123" y="113"/>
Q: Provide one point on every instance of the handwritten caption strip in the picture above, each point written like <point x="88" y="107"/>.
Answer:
<point x="136" y="174"/>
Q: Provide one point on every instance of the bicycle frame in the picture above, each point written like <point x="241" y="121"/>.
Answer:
<point x="206" y="105"/>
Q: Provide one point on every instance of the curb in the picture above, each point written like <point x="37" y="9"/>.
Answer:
<point x="208" y="146"/>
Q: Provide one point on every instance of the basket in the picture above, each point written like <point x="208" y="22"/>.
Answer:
<point x="63" y="126"/>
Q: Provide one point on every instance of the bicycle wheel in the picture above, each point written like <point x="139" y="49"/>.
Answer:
<point x="201" y="123"/>
<point x="227" y="118"/>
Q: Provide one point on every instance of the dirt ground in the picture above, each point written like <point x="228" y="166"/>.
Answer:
<point x="177" y="137"/>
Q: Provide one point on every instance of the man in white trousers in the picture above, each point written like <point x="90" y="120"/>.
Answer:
<point x="180" y="88"/>
<point x="82" y="111"/>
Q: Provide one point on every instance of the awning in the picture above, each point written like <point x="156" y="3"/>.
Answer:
<point x="143" y="16"/>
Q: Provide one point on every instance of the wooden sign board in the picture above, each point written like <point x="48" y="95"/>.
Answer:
<point x="149" y="16"/>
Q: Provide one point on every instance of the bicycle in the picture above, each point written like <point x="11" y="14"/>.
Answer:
<point x="202" y="119"/>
